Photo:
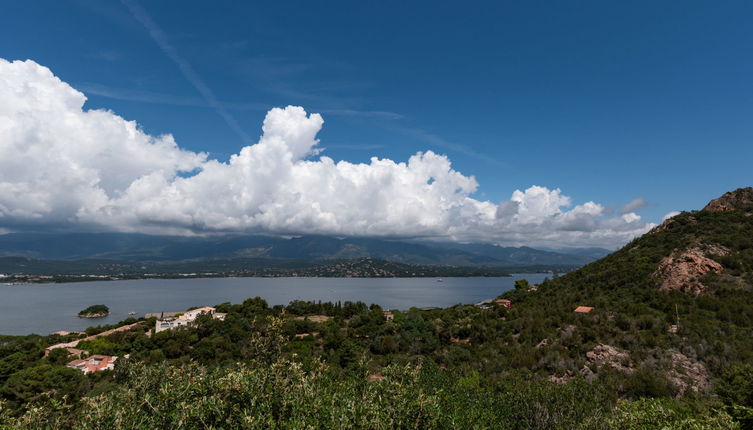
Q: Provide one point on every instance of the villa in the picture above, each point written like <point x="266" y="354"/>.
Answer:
<point x="186" y="318"/>
<point x="504" y="303"/>
<point x="95" y="363"/>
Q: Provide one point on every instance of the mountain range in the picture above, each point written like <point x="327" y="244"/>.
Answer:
<point x="140" y="247"/>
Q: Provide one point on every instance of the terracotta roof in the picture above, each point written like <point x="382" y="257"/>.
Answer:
<point x="94" y="363"/>
<point x="303" y="335"/>
<point x="583" y="309"/>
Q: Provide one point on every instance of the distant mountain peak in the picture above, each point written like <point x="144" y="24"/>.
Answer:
<point x="741" y="199"/>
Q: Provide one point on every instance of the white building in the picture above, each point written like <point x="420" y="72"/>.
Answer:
<point x="186" y="318"/>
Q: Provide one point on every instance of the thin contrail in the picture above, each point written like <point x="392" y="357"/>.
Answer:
<point x="188" y="72"/>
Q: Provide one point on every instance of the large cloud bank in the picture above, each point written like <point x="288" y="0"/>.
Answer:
<point x="62" y="166"/>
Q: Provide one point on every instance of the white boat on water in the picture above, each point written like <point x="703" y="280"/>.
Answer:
<point x="440" y="280"/>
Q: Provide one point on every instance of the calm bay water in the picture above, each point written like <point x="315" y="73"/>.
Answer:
<point x="44" y="308"/>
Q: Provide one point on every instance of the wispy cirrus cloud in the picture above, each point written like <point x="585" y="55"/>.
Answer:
<point x="152" y="97"/>
<point x="185" y="67"/>
<point x="437" y="141"/>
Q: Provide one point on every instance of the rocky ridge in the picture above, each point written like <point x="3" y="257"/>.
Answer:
<point x="740" y="199"/>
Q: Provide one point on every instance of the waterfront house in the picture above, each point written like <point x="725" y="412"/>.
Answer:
<point x="186" y="318"/>
<point x="95" y="363"/>
<point x="504" y="303"/>
<point x="388" y="315"/>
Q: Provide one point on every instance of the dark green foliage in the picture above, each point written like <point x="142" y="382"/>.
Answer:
<point x="36" y="382"/>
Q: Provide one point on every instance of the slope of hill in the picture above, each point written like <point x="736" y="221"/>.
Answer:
<point x="672" y="310"/>
<point x="524" y="255"/>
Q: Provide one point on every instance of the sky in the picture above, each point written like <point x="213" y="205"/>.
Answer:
<point x="520" y="123"/>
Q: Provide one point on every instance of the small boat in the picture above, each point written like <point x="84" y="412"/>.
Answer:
<point x="440" y="280"/>
<point x="131" y="313"/>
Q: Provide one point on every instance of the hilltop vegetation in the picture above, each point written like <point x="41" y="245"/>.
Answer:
<point x="644" y="357"/>
<point x="94" y="311"/>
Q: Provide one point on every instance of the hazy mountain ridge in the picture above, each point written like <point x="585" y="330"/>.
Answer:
<point x="140" y="247"/>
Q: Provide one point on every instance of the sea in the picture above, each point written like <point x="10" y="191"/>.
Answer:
<point x="44" y="308"/>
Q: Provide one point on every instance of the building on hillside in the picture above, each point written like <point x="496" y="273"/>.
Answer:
<point x="504" y="303"/>
<point x="186" y="319"/>
<point x="314" y="318"/>
<point x="305" y="335"/>
<point x="76" y="352"/>
<point x="388" y="315"/>
<point x="75" y="343"/>
<point x="161" y="315"/>
<point x="95" y="363"/>
<point x="583" y="309"/>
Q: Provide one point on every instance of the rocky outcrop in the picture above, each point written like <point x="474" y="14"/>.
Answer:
<point x="682" y="271"/>
<point x="740" y="199"/>
<point x="607" y="355"/>
<point x="687" y="375"/>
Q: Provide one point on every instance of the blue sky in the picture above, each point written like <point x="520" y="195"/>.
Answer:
<point x="607" y="101"/>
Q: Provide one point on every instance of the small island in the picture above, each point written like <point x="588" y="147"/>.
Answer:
<point x="94" y="311"/>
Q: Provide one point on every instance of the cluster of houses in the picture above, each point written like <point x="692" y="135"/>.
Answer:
<point x="487" y="304"/>
<point x="93" y="363"/>
<point x="97" y="362"/>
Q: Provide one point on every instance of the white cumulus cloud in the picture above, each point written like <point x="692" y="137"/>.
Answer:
<point x="64" y="166"/>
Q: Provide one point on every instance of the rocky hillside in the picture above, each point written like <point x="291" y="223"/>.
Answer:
<point x="738" y="200"/>
<point x="672" y="310"/>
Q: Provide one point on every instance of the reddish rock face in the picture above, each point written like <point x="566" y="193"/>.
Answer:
<point x="740" y="199"/>
<point x="683" y="272"/>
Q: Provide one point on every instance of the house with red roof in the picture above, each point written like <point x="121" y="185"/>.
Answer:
<point x="95" y="363"/>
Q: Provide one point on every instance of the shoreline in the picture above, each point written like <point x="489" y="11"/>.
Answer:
<point x="165" y="278"/>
